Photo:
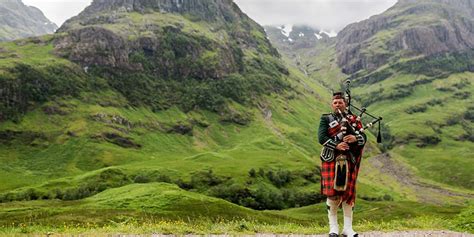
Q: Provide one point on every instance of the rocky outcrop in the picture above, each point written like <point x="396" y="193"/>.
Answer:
<point x="20" y="21"/>
<point x="209" y="10"/>
<point x="171" y="58"/>
<point x="165" y="50"/>
<point x="410" y="28"/>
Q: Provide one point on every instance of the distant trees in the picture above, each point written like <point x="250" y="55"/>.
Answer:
<point x="265" y="189"/>
<point x="25" y="85"/>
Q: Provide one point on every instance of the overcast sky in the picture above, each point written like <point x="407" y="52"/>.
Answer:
<point x="324" y="14"/>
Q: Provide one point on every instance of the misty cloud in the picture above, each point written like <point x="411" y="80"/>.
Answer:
<point x="58" y="11"/>
<point x="329" y="15"/>
<point x="322" y="14"/>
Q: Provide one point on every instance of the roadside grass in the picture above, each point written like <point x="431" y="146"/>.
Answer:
<point x="166" y="209"/>
<point x="204" y="227"/>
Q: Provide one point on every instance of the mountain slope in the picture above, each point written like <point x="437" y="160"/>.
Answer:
<point x="424" y="99"/>
<point x="20" y="21"/>
<point x="170" y="94"/>
<point x="157" y="95"/>
<point x="409" y="30"/>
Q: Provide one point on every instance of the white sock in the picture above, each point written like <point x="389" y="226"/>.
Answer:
<point x="347" y="230"/>
<point x="332" y="216"/>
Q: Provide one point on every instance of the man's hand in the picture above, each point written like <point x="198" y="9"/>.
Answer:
<point x="349" y="139"/>
<point x="342" y="146"/>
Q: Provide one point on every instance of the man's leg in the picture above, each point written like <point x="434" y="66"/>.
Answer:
<point x="347" y="230"/>
<point x="332" y="206"/>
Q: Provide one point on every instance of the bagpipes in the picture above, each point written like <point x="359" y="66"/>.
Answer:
<point x="362" y="111"/>
<point x="350" y="126"/>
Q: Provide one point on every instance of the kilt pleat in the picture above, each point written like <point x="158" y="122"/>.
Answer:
<point x="327" y="180"/>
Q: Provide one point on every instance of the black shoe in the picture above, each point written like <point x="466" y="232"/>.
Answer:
<point x="333" y="235"/>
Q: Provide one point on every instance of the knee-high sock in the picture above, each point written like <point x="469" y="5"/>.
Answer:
<point x="347" y="230"/>
<point x="332" y="216"/>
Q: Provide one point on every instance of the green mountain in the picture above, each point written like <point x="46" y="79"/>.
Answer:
<point x="436" y="31"/>
<point x="186" y="93"/>
<point x="143" y="111"/>
<point x="20" y="21"/>
<point x="413" y="66"/>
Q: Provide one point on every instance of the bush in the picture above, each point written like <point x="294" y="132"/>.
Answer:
<point x="206" y="179"/>
<point x="453" y="121"/>
<point x="469" y="114"/>
<point x="252" y="173"/>
<point x="428" y="140"/>
<point x="280" y="178"/>
<point x="268" y="199"/>
<point x="150" y="176"/>
<point x="313" y="176"/>
<point x="27" y="85"/>
<point x="388" y="140"/>
<point x="462" y="95"/>
<point x="387" y="197"/>
<point x="141" y="179"/>
<point x="435" y="102"/>
<point x="417" y="109"/>
<point x="260" y="195"/>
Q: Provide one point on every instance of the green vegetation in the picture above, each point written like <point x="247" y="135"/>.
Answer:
<point x="146" y="208"/>
<point x="206" y="135"/>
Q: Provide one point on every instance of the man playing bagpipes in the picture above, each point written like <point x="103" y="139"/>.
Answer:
<point x="341" y="134"/>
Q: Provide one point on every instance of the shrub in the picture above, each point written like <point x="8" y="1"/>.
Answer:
<point x="313" y="175"/>
<point x="205" y="179"/>
<point x="141" y="178"/>
<point x="428" y="140"/>
<point x="27" y="85"/>
<point x="252" y="173"/>
<point x="417" y="109"/>
<point x="469" y="114"/>
<point x="280" y="178"/>
<point x="462" y="95"/>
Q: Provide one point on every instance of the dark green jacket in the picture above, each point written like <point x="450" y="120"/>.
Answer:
<point x="330" y="143"/>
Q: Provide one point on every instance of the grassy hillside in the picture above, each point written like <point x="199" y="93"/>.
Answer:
<point x="427" y="119"/>
<point x="59" y="145"/>
<point x="111" y="149"/>
<point x="145" y="208"/>
<point x="78" y="153"/>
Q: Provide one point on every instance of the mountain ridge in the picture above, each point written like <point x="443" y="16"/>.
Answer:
<point x="19" y="21"/>
<point x="441" y="28"/>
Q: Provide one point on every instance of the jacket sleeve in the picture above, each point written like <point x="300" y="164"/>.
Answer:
<point x="323" y="134"/>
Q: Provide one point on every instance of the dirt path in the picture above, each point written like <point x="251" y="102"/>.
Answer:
<point x="368" y="234"/>
<point x="424" y="192"/>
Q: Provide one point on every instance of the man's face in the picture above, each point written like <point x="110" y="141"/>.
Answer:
<point x="338" y="104"/>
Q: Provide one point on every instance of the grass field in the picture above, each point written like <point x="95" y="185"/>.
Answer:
<point x="165" y="208"/>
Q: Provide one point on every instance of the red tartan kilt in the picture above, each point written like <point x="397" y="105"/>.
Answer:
<point x="327" y="180"/>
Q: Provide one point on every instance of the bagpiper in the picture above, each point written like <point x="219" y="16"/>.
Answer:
<point x="341" y="134"/>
